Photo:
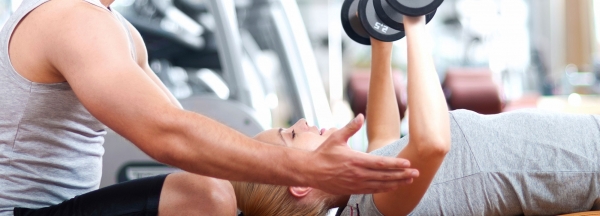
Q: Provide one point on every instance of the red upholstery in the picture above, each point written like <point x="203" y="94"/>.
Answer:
<point x="465" y="88"/>
<point x="358" y="89"/>
<point x="472" y="89"/>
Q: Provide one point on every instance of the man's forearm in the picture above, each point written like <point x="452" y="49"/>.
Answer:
<point x="198" y="144"/>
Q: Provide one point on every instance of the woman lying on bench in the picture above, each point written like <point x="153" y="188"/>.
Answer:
<point x="526" y="162"/>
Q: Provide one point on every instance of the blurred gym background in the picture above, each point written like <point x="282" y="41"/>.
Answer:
<point x="258" y="64"/>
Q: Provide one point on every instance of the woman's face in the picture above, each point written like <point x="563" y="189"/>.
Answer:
<point x="299" y="135"/>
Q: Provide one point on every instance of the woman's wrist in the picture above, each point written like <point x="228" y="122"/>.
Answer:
<point x="378" y="43"/>
<point x="380" y="47"/>
<point x="410" y="21"/>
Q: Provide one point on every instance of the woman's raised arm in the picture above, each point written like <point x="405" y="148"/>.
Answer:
<point x="383" y="123"/>
<point x="429" y="125"/>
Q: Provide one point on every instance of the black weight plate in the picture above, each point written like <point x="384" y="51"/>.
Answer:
<point x="393" y="18"/>
<point x="373" y="24"/>
<point x="352" y="25"/>
<point x="415" y="7"/>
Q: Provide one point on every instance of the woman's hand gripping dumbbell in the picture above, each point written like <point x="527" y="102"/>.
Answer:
<point x="382" y="19"/>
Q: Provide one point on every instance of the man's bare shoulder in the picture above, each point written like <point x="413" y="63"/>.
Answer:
<point x="56" y="10"/>
<point x="76" y="26"/>
<point x="69" y="35"/>
<point x="63" y="17"/>
<point x="52" y="29"/>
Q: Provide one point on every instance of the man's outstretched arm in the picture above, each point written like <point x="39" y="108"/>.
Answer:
<point x="90" y="49"/>
<point x="142" y="61"/>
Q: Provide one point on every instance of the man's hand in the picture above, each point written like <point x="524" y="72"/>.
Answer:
<point x="337" y="169"/>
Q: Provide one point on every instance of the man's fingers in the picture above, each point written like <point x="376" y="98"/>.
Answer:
<point x="388" y="175"/>
<point x="351" y="128"/>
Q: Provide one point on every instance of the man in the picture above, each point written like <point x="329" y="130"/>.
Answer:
<point x="73" y="67"/>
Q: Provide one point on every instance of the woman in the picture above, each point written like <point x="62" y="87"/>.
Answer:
<point x="514" y="163"/>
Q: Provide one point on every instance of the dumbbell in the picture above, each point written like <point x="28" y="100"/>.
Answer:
<point x="395" y="19"/>
<point x="362" y="19"/>
<point x="360" y="23"/>
<point x="414" y="7"/>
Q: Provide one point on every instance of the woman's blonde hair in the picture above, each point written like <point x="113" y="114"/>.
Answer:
<point x="273" y="200"/>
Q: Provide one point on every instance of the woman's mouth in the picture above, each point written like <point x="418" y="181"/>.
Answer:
<point x="323" y="131"/>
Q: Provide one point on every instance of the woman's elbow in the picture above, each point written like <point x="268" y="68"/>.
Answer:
<point x="434" y="146"/>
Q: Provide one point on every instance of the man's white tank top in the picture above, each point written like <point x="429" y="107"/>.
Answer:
<point x="50" y="145"/>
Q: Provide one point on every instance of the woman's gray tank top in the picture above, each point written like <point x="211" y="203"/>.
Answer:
<point x="50" y="145"/>
<point x="526" y="162"/>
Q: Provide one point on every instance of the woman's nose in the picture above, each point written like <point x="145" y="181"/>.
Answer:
<point x="302" y="123"/>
